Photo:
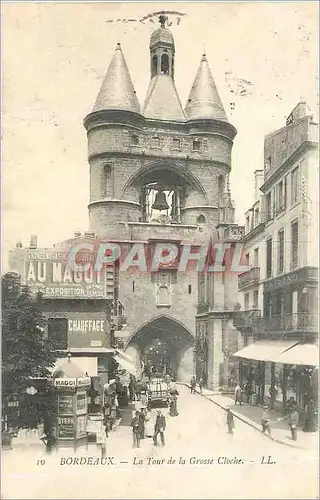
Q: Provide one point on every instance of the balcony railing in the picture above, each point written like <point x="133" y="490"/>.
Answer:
<point x="234" y="233"/>
<point x="295" y="322"/>
<point x="245" y="319"/>
<point x="249" y="277"/>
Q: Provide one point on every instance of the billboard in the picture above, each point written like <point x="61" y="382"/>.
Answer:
<point x="47" y="271"/>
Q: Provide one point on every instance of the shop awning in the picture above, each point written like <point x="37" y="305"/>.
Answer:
<point x="89" y="350"/>
<point x="301" y="354"/>
<point x="265" y="350"/>
<point x="125" y="362"/>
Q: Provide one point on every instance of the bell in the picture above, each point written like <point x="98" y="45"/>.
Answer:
<point x="160" y="202"/>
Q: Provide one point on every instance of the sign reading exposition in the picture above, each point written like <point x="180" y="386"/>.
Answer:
<point x="47" y="271"/>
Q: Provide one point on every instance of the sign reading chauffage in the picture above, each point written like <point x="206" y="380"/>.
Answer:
<point x="50" y="273"/>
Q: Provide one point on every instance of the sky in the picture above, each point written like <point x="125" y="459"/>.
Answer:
<point x="263" y="57"/>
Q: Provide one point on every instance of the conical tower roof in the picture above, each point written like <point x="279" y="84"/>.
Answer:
<point x="117" y="91"/>
<point x="162" y="101"/>
<point x="204" y="101"/>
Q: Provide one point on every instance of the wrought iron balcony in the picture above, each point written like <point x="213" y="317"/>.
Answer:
<point x="250" y="277"/>
<point x="243" y="320"/>
<point x="294" y="322"/>
<point x="202" y="307"/>
<point x="234" y="233"/>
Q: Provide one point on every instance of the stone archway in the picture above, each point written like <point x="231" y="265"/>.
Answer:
<point x="178" y="339"/>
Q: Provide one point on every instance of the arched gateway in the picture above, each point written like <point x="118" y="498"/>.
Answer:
<point x="164" y="343"/>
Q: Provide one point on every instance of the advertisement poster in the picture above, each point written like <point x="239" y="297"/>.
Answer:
<point x="160" y="188"/>
<point x="65" y="404"/>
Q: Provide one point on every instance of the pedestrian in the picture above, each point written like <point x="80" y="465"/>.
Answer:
<point x="193" y="384"/>
<point x="132" y="388"/>
<point x="310" y="424"/>
<point x="102" y="442"/>
<point x="159" y="428"/>
<point x="201" y="385"/>
<point x="173" y="411"/>
<point x="294" y="423"/>
<point x="238" y="395"/>
<point x="142" y="418"/>
<point x="265" y="421"/>
<point x="135" y="424"/>
<point x="230" y="421"/>
<point x="148" y="424"/>
<point x="138" y="390"/>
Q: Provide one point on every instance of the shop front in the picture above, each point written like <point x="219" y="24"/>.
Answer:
<point x="277" y="372"/>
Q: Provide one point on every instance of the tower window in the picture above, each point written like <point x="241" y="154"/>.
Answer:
<point x="135" y="139"/>
<point x="189" y="289"/>
<point x="221" y="185"/>
<point x="201" y="219"/>
<point x="154" y="65"/>
<point x="133" y="287"/>
<point x="165" y="64"/>
<point x="107" y="188"/>
<point x="196" y="145"/>
<point x="176" y="143"/>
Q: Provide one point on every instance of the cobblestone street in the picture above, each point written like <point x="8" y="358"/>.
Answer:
<point x="199" y="432"/>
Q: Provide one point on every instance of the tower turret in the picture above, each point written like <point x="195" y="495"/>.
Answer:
<point x="162" y="101"/>
<point x="117" y="91"/>
<point x="204" y="101"/>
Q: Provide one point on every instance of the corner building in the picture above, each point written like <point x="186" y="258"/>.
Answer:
<point x="159" y="174"/>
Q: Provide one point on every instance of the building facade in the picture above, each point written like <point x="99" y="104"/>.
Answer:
<point x="76" y="305"/>
<point x="281" y="289"/>
<point x="160" y="174"/>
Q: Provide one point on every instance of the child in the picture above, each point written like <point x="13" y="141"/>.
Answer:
<point x="265" y="421"/>
<point x="230" y="421"/>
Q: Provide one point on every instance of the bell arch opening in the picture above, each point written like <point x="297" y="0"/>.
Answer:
<point x="164" y="189"/>
<point x="166" y="345"/>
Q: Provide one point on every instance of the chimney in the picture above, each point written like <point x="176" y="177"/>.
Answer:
<point x="89" y="234"/>
<point x="33" y="241"/>
<point x="258" y="181"/>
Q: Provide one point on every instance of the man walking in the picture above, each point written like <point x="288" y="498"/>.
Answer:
<point x="230" y="421"/>
<point x="238" y="395"/>
<point x="193" y="385"/>
<point x="136" y="429"/>
<point x="265" y="421"/>
<point x="201" y="385"/>
<point x="159" y="428"/>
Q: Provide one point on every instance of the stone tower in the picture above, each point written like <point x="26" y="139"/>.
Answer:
<point x="159" y="173"/>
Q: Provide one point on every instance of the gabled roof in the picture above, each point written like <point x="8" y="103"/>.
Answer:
<point x="204" y="101"/>
<point x="117" y="91"/>
<point x="162" y="101"/>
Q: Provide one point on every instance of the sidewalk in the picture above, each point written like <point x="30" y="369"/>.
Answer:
<point x="251" y="415"/>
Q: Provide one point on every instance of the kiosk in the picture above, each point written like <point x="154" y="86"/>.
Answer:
<point x="72" y="387"/>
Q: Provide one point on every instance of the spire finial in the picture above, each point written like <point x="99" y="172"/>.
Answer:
<point x="162" y="20"/>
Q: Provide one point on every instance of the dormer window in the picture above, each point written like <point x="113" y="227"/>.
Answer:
<point x="135" y="139"/>
<point x="165" y="64"/>
<point x="196" y="145"/>
<point x="176" y="143"/>
<point x="267" y="164"/>
<point x="154" y="65"/>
